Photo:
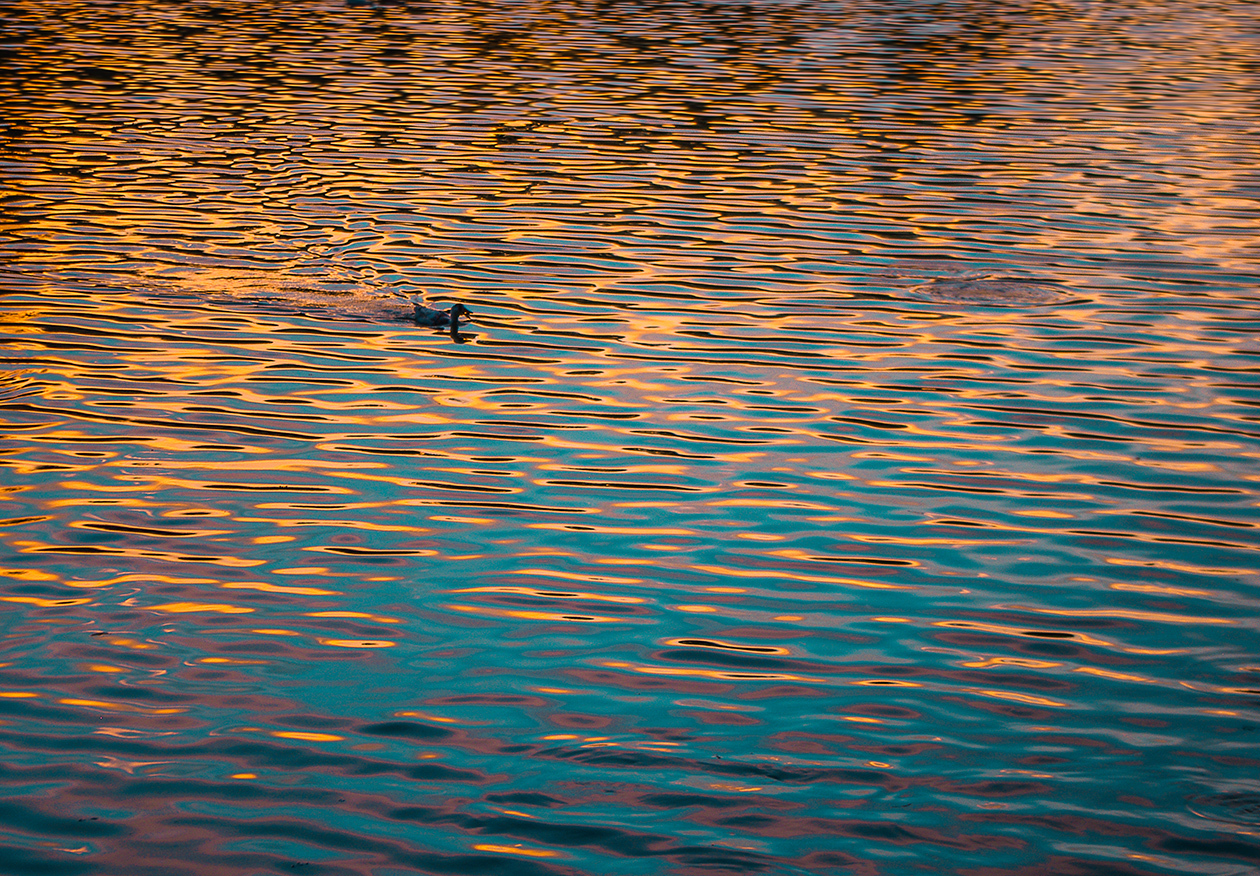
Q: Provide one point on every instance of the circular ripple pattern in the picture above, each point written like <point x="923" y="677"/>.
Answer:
<point x="989" y="290"/>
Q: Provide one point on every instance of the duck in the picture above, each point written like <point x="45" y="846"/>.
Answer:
<point x="441" y="318"/>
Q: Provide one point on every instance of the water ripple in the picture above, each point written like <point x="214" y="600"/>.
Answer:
<point x="848" y="466"/>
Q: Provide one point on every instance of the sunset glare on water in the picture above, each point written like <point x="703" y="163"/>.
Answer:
<point x="850" y="465"/>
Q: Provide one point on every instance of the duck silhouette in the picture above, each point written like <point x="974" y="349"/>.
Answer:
<point x="448" y="318"/>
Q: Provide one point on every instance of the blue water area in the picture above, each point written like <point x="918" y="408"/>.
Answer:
<point x="850" y="466"/>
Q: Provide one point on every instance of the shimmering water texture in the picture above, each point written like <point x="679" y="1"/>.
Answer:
<point x="851" y="467"/>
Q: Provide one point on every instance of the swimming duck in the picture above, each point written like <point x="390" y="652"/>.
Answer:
<point x="440" y="318"/>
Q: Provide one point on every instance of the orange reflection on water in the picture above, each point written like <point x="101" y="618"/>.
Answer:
<point x="230" y="661"/>
<point x="575" y="576"/>
<point x="163" y="556"/>
<point x="426" y="716"/>
<point x="1019" y="631"/>
<point x="190" y="607"/>
<point x="955" y="541"/>
<point x="723" y="674"/>
<point x="28" y="575"/>
<point x="101" y="667"/>
<point x="720" y="645"/>
<point x="553" y="594"/>
<point x="380" y="619"/>
<point x="159" y="483"/>
<point x="781" y="574"/>
<point x="517" y="850"/>
<point x="147" y="579"/>
<point x="277" y="588"/>
<point x="1130" y="614"/>
<point x="1107" y="673"/>
<point x="118" y="707"/>
<point x="147" y="530"/>
<point x="1016" y="697"/>
<point x="127" y="766"/>
<point x="339" y="523"/>
<point x="305" y="736"/>
<point x="884" y="682"/>
<point x="1178" y="567"/>
<point x="44" y="603"/>
<point x="797" y="554"/>
<point x="730" y="787"/>
<point x="522" y="614"/>
<point x="129" y="732"/>
<point x="133" y="644"/>
<point x="1160" y="589"/>
<point x="615" y="530"/>
<point x="1012" y="661"/>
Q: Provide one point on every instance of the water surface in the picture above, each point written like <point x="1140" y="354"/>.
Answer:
<point x="851" y="468"/>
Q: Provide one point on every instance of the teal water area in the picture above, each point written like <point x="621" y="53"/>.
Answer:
<point x="851" y="466"/>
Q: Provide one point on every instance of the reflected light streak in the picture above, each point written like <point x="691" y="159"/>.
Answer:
<point x="427" y="716"/>
<point x="147" y="579"/>
<point x="306" y="736"/>
<point x="1130" y="614"/>
<point x="613" y="530"/>
<point x="779" y="574"/>
<point x="1178" y="567"/>
<point x="118" y="707"/>
<point x="516" y="850"/>
<point x="1016" y="697"/>
<point x="1117" y="676"/>
<point x="1018" y="631"/>
<point x="552" y="594"/>
<point x="380" y="619"/>
<point x="45" y="603"/>
<point x="276" y="588"/>
<point x="575" y="576"/>
<point x="231" y="661"/>
<point x="521" y="614"/>
<point x="1012" y="661"/>
<point x="191" y="607"/>
<point x="722" y="674"/>
<point x="338" y="523"/>
<point x="31" y="575"/>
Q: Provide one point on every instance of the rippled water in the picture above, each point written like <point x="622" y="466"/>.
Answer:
<point x="851" y="467"/>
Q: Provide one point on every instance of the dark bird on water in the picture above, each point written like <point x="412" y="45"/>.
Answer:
<point x="441" y="318"/>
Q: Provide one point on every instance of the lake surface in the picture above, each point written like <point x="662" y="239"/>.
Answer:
<point x="852" y="466"/>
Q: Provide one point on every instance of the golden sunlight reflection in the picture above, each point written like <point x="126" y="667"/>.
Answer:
<point x="197" y="607"/>
<point x="845" y="460"/>
<point x="552" y="594"/>
<point x="517" y="850"/>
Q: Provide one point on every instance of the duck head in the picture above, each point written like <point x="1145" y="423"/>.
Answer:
<point x="456" y="311"/>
